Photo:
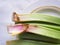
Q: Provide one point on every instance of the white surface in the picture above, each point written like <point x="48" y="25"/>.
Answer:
<point x="7" y="7"/>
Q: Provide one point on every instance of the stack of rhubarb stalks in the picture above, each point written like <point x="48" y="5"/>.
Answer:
<point x="34" y="29"/>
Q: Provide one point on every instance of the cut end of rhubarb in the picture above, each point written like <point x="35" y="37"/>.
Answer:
<point x="16" y="29"/>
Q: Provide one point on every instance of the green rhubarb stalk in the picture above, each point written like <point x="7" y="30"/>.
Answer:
<point x="38" y="38"/>
<point x="46" y="32"/>
<point x="40" y="17"/>
<point x="52" y="27"/>
<point x="28" y="42"/>
<point x="57" y="28"/>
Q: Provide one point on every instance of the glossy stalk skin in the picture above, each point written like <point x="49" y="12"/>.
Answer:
<point x="38" y="38"/>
